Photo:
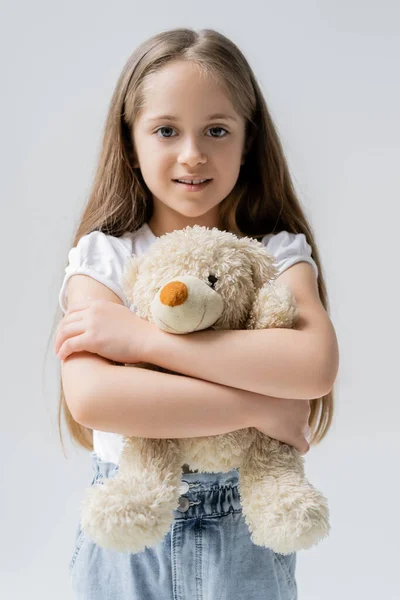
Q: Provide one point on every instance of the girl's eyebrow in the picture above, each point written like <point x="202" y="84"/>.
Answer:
<point x="209" y="118"/>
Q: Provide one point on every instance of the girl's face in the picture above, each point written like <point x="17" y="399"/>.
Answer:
<point x="188" y="128"/>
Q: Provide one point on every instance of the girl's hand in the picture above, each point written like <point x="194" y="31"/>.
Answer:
<point x="105" y="328"/>
<point x="283" y="419"/>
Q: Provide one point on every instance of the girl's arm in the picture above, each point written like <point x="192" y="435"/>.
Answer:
<point x="297" y="363"/>
<point x="134" y="401"/>
<point x="169" y="406"/>
<point x="144" y="403"/>
<point x="149" y="404"/>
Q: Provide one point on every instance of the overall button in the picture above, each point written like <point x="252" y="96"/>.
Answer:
<point x="184" y="487"/>
<point x="183" y="504"/>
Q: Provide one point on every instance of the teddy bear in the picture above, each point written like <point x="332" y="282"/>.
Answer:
<point x="191" y="280"/>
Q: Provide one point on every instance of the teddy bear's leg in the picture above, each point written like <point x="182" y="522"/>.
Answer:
<point x="134" y="509"/>
<point x="282" y="509"/>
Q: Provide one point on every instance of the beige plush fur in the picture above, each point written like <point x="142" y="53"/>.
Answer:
<point x="170" y="285"/>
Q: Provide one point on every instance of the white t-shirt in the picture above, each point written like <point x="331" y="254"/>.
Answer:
<point x="103" y="257"/>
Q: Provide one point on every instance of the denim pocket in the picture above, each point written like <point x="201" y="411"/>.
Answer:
<point x="287" y="564"/>
<point x="80" y="535"/>
<point x="78" y="545"/>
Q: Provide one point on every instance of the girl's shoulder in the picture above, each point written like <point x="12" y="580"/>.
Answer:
<point x="103" y="256"/>
<point x="96" y="245"/>
<point x="288" y="249"/>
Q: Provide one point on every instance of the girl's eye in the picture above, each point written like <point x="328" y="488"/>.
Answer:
<point x="220" y="129"/>
<point x="169" y="129"/>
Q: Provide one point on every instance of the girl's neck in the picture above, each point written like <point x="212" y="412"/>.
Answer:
<point x="168" y="223"/>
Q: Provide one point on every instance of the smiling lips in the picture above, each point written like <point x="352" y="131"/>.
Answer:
<point x="192" y="184"/>
<point x="192" y="181"/>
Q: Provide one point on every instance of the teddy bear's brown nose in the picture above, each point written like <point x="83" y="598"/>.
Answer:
<point x="174" y="293"/>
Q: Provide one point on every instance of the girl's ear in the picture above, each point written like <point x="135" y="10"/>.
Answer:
<point x="261" y="261"/>
<point x="129" y="276"/>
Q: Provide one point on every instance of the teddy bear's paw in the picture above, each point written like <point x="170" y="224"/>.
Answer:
<point x="288" y="522"/>
<point x="274" y="306"/>
<point x="128" y="514"/>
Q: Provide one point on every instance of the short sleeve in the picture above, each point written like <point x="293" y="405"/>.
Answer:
<point x="289" y="249"/>
<point x="100" y="256"/>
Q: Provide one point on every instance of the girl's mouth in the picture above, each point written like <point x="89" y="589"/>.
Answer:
<point x="192" y="187"/>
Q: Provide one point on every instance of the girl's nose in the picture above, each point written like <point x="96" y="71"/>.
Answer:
<point x="191" y="154"/>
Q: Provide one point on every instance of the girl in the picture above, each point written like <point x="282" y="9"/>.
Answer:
<point x="189" y="140"/>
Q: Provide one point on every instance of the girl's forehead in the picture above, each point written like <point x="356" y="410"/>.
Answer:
<point x="180" y="72"/>
<point x="179" y="88"/>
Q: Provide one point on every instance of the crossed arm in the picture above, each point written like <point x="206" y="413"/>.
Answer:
<point x="231" y="373"/>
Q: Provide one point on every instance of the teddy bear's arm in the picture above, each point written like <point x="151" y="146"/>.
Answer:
<point x="274" y="306"/>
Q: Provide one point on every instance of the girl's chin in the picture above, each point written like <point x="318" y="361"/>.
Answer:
<point x="191" y="210"/>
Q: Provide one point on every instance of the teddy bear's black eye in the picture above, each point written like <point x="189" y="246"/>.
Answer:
<point x="213" y="280"/>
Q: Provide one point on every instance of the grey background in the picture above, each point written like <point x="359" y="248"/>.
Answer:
<point x="330" y="76"/>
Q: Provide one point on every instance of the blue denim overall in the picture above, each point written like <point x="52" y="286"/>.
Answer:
<point x="206" y="555"/>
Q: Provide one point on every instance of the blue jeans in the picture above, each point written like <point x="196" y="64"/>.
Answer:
<point x="206" y="555"/>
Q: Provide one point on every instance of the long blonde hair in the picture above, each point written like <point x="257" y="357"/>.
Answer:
<point x="262" y="201"/>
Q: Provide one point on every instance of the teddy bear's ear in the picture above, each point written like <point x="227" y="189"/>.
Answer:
<point x="129" y="276"/>
<point x="262" y="262"/>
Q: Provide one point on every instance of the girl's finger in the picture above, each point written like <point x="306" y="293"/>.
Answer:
<point x="73" y="317"/>
<point x="68" y="331"/>
<point x="67" y="320"/>
<point x="73" y="344"/>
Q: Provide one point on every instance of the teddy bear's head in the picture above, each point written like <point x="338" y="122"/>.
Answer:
<point x="196" y="278"/>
